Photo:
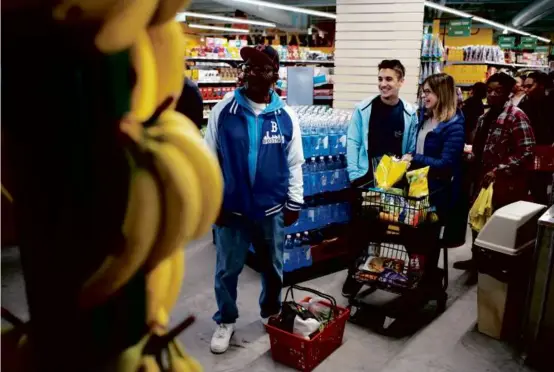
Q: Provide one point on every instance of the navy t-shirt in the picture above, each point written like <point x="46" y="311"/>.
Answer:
<point x="386" y="130"/>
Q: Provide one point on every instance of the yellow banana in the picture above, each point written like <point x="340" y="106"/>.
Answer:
<point x="188" y="361"/>
<point x="143" y="96"/>
<point x="182" y="205"/>
<point x="123" y="23"/>
<point x="168" y="42"/>
<point x="140" y="228"/>
<point x="173" y="128"/>
<point x="167" y="9"/>
<point x="130" y="359"/>
<point x="157" y="282"/>
<point x="148" y="363"/>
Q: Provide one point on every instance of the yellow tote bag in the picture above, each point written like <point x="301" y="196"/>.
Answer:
<point x="481" y="210"/>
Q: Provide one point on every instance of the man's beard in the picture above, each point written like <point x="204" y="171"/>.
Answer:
<point x="259" y="84"/>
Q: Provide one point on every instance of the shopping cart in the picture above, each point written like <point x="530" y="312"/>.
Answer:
<point x="401" y="256"/>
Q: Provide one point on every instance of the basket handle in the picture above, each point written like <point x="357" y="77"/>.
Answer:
<point x="325" y="296"/>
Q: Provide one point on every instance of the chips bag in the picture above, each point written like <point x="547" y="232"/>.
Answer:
<point x="389" y="171"/>
<point x="418" y="182"/>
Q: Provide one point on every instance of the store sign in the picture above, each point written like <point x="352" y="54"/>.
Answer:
<point x="541" y="49"/>
<point x="459" y="27"/>
<point x="528" y="43"/>
<point x="507" y="42"/>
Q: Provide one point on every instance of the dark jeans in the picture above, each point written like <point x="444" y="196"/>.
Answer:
<point x="232" y="243"/>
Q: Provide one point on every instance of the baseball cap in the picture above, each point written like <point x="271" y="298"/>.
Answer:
<point x="261" y="55"/>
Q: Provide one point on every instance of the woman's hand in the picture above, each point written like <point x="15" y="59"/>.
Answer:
<point x="408" y="159"/>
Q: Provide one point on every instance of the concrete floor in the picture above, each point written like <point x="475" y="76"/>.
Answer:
<point x="450" y="343"/>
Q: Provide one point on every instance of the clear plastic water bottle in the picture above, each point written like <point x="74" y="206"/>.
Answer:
<point x="314" y="183"/>
<point x="322" y="174"/>
<point x="306" y="178"/>
<point x="311" y="211"/>
<point x="297" y="255"/>
<point x="307" y="250"/>
<point x="287" y="254"/>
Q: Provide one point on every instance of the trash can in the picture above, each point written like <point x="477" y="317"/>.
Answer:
<point x="504" y="252"/>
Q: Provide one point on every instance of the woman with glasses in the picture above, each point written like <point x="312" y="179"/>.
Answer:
<point x="440" y="144"/>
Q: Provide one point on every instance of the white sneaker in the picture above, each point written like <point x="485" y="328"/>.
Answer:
<point x="221" y="338"/>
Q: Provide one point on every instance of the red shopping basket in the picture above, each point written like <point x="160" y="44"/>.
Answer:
<point x="304" y="355"/>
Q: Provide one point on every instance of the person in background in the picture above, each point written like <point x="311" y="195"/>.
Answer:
<point x="473" y="108"/>
<point x="190" y="103"/>
<point x="518" y="92"/>
<point x="381" y="125"/>
<point x="257" y="139"/>
<point x="538" y="107"/>
<point x="502" y="151"/>
<point x="440" y="144"/>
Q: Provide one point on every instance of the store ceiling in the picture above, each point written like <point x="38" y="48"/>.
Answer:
<point x="501" y="11"/>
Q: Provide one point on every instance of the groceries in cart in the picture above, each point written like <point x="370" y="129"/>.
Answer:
<point x="394" y="200"/>
<point x="390" y="266"/>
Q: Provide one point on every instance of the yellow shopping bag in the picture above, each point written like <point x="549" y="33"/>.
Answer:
<point x="389" y="171"/>
<point x="481" y="210"/>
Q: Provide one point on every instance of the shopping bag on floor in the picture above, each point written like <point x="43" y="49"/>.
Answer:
<point x="481" y="210"/>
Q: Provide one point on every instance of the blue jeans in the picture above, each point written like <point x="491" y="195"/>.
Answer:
<point x="232" y="243"/>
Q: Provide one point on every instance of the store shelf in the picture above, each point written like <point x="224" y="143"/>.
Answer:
<point x="211" y="100"/>
<point x="514" y="65"/>
<point x="234" y="60"/>
<point x="465" y="85"/>
<point x="323" y="97"/>
<point x="199" y="82"/>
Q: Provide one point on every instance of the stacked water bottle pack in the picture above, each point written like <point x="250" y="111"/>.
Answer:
<point x="324" y="142"/>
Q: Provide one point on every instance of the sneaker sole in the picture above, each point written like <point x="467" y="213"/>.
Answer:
<point x="218" y="352"/>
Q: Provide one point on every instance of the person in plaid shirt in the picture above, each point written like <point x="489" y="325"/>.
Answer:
<point x="502" y="150"/>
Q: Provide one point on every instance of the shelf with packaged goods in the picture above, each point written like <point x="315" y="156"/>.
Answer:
<point x="503" y="64"/>
<point x="221" y="82"/>
<point x="236" y="61"/>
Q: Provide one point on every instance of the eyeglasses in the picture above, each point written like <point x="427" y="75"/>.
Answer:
<point x="495" y="92"/>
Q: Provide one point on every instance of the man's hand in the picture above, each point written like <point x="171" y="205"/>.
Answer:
<point x="408" y="158"/>
<point x="290" y="217"/>
<point x="489" y="178"/>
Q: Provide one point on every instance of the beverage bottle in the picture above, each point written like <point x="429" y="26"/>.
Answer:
<point x="297" y="256"/>
<point x="314" y="189"/>
<point x="314" y="139"/>
<point x="288" y="249"/>
<point x="324" y="133"/>
<point x="331" y="174"/>
<point x="306" y="178"/>
<point x="307" y="250"/>
<point x="322" y="175"/>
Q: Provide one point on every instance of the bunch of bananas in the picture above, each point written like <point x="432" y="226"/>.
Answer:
<point x="175" y="189"/>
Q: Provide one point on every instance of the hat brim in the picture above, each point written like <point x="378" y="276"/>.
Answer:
<point x="255" y="56"/>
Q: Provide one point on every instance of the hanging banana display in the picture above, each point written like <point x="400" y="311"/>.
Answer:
<point x="175" y="184"/>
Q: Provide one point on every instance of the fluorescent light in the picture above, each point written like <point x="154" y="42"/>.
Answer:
<point x="288" y="8"/>
<point x="182" y="17"/>
<point x="227" y="29"/>
<point x="480" y="19"/>
<point x="447" y="9"/>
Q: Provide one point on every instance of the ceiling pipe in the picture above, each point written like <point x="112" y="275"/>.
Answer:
<point x="533" y="12"/>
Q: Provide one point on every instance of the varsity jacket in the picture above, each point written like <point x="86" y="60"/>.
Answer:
<point x="260" y="156"/>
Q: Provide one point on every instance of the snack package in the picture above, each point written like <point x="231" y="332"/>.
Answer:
<point x="418" y="182"/>
<point x="389" y="171"/>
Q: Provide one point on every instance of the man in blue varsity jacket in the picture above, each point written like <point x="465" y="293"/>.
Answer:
<point x="259" y="146"/>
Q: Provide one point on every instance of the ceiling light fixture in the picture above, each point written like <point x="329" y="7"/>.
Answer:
<point x="182" y="16"/>
<point x="480" y="19"/>
<point x="226" y="29"/>
<point x="288" y="8"/>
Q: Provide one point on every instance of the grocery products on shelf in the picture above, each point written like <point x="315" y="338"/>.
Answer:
<point x="475" y="53"/>
<point x="432" y="52"/>
<point x="215" y="93"/>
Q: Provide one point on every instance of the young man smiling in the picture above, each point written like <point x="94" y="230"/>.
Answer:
<point x="381" y="125"/>
<point x="257" y="139"/>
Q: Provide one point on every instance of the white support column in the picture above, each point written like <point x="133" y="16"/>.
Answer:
<point x="369" y="31"/>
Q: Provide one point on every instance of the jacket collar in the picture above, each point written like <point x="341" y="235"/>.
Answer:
<point x="275" y="104"/>
<point x="408" y="107"/>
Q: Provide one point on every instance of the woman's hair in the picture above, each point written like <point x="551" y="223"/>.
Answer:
<point x="444" y="87"/>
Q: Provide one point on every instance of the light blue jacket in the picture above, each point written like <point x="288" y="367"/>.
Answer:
<point x="358" y="132"/>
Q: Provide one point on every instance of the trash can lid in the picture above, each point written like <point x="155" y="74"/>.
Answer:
<point x="547" y="219"/>
<point x="511" y="229"/>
